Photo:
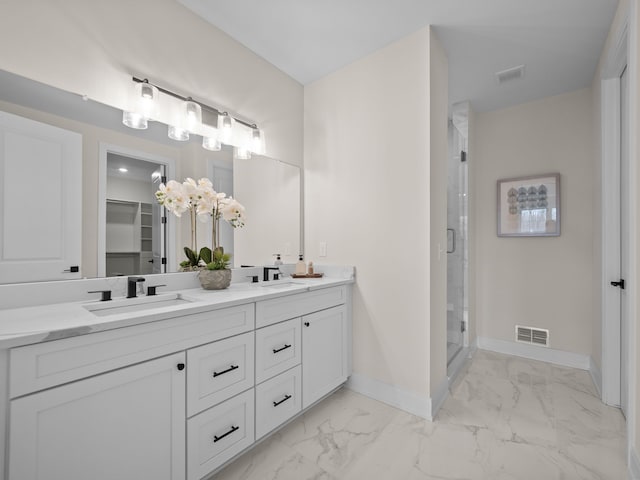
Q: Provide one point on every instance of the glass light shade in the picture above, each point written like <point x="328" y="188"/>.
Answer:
<point x="147" y="99"/>
<point x="192" y="114"/>
<point x="242" y="153"/>
<point x="211" y="143"/>
<point x="257" y="142"/>
<point x="178" y="133"/>
<point x="134" y="120"/>
<point x="225" y="126"/>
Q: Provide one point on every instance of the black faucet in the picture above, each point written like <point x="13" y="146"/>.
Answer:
<point x="265" y="270"/>
<point x="132" y="282"/>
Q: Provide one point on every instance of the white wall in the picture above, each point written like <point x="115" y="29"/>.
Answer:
<point x="94" y="48"/>
<point x="367" y="195"/>
<point x="438" y="160"/>
<point x="130" y="190"/>
<point x="539" y="282"/>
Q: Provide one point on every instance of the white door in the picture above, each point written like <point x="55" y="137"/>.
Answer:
<point x="324" y="353"/>
<point x="127" y="425"/>
<point x="624" y="241"/>
<point x="40" y="201"/>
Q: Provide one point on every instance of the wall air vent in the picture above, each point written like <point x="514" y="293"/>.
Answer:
<point x="535" y="336"/>
<point x="510" y="74"/>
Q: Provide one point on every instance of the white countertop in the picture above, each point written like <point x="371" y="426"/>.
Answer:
<point x="34" y="324"/>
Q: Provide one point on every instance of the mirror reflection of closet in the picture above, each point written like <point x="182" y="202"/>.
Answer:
<point x="134" y="230"/>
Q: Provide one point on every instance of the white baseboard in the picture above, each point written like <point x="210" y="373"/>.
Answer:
<point x="391" y="395"/>
<point x="634" y="465"/>
<point x="534" y="352"/>
<point x="596" y="375"/>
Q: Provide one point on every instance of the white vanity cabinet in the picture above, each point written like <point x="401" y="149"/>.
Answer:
<point x="315" y="324"/>
<point x="176" y="398"/>
<point x="127" y="424"/>
<point x="113" y="404"/>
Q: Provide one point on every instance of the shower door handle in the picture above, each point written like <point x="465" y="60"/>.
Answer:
<point x="453" y="236"/>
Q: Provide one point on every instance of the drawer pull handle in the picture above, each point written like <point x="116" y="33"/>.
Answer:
<point x="230" y="369"/>
<point x="277" y="350"/>
<point x="306" y="324"/>
<point x="217" y="438"/>
<point x="286" y="397"/>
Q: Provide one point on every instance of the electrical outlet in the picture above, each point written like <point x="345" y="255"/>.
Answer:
<point x="323" y="249"/>
<point x="287" y="248"/>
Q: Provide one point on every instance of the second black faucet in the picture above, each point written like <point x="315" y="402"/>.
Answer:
<point x="132" y="283"/>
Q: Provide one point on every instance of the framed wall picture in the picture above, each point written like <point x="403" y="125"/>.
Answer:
<point x="529" y="206"/>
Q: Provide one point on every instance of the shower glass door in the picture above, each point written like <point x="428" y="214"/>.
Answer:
<point x="457" y="251"/>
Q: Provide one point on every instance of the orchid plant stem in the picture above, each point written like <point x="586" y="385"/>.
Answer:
<point x="194" y="245"/>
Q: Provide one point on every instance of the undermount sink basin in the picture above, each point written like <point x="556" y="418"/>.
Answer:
<point x="138" y="304"/>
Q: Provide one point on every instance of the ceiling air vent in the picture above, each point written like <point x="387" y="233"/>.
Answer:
<point x="510" y="74"/>
<point x="535" y="336"/>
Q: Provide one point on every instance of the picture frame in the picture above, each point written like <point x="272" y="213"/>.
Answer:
<point x="529" y="206"/>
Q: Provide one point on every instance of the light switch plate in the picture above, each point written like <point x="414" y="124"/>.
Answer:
<point x="323" y="249"/>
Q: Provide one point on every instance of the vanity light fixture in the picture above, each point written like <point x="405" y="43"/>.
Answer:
<point x="147" y="96"/>
<point x="225" y="125"/>
<point x="211" y="143"/>
<point x="193" y="115"/>
<point x="242" y="153"/>
<point x="257" y="144"/>
<point x="134" y="120"/>
<point x="145" y="106"/>
<point x="216" y="126"/>
<point x="178" y="133"/>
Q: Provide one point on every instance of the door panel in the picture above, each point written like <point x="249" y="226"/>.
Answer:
<point x="41" y="201"/>
<point x="624" y="241"/>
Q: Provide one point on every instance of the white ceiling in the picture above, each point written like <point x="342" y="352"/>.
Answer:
<point x="559" y="41"/>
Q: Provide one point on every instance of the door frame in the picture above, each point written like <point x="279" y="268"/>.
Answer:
<point x="621" y="52"/>
<point x="169" y="163"/>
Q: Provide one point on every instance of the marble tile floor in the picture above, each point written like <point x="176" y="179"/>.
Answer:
<point x="507" y="418"/>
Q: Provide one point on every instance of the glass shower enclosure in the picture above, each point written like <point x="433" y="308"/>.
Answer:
<point x="457" y="233"/>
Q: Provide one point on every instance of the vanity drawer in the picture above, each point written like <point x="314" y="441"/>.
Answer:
<point x="283" y="308"/>
<point x="218" y="434"/>
<point x="218" y="371"/>
<point x="278" y="348"/>
<point x="43" y="365"/>
<point x="277" y="400"/>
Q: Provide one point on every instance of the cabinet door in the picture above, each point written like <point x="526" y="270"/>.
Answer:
<point x="40" y="201"/>
<point x="127" y="425"/>
<point x="324" y="353"/>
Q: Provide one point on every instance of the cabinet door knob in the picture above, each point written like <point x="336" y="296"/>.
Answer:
<point x="181" y="366"/>
<point x="306" y="324"/>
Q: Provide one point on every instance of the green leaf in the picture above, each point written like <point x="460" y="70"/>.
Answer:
<point x="193" y="257"/>
<point x="220" y="260"/>
<point x="205" y="254"/>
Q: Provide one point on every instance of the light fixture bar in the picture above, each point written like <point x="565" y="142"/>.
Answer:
<point x="185" y="99"/>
